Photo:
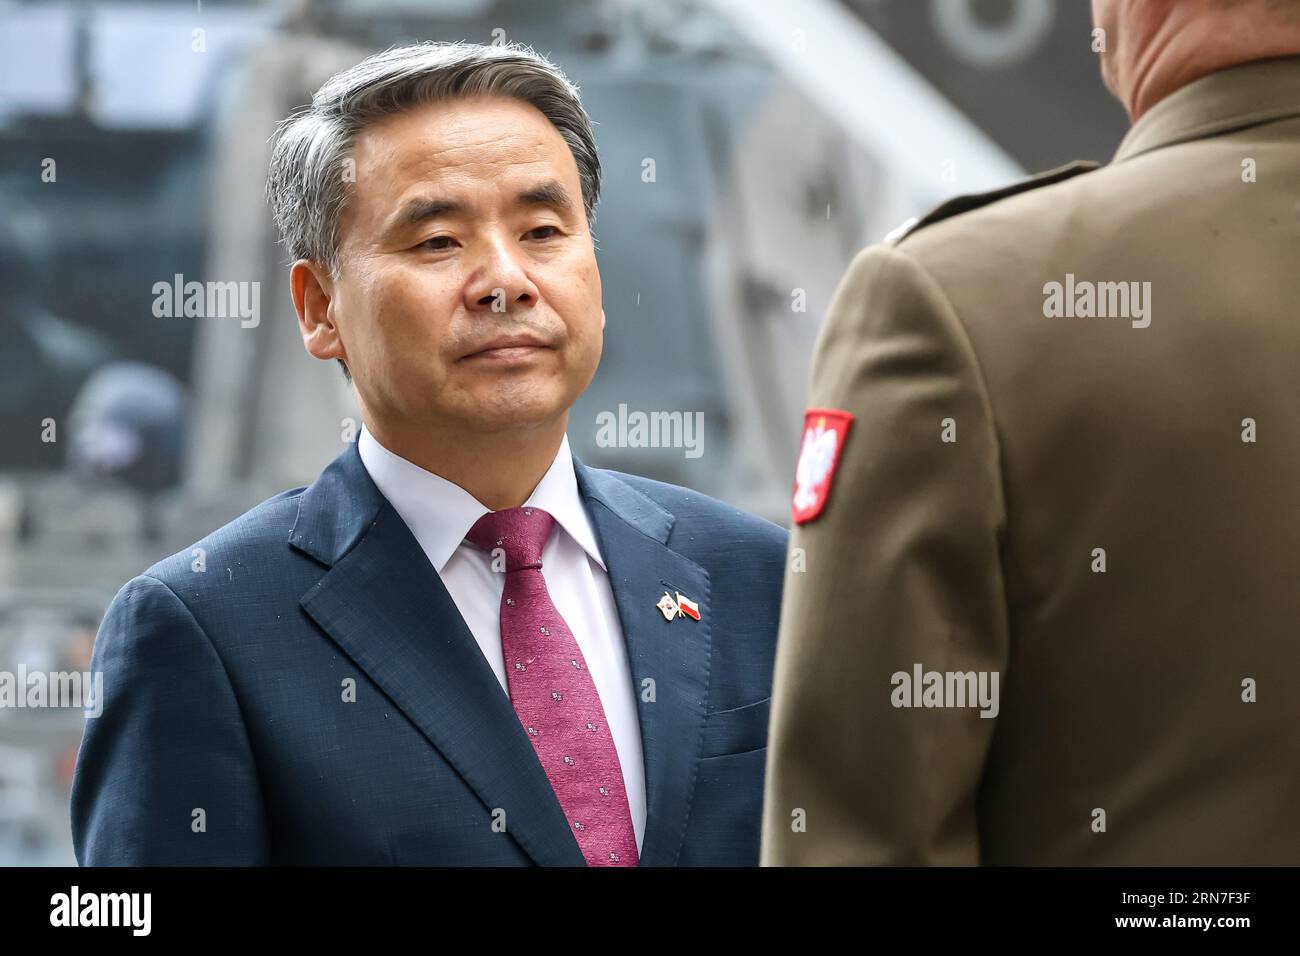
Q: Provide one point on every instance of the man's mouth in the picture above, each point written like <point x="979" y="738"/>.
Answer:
<point x="509" y="348"/>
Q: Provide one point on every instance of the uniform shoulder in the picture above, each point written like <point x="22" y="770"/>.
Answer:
<point x="1040" y="185"/>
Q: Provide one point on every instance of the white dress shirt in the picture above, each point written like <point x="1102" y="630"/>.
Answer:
<point x="440" y="514"/>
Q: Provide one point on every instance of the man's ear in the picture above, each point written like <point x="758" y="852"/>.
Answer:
<point x="602" y="320"/>
<point x="313" y="299"/>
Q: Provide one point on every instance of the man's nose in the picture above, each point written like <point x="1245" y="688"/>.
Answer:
<point x="500" y="282"/>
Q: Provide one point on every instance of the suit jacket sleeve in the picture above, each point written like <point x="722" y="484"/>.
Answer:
<point x="170" y="741"/>
<point x="902" y="567"/>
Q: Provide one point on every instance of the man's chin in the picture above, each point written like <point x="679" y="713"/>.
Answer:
<point x="507" y="417"/>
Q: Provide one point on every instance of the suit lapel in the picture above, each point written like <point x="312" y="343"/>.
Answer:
<point x="669" y="659"/>
<point x="385" y="606"/>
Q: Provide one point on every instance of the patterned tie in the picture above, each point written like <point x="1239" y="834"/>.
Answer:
<point x="553" y="693"/>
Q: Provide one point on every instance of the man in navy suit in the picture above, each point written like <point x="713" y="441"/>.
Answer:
<point x="459" y="645"/>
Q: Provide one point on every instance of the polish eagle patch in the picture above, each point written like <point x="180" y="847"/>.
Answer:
<point x="824" y="432"/>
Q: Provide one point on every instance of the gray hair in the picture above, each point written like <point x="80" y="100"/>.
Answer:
<point x="308" y="183"/>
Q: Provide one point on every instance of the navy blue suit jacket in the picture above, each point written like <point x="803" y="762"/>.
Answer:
<point x="225" y="737"/>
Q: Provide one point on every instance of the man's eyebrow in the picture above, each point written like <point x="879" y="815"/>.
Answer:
<point x="549" y="193"/>
<point x="423" y="208"/>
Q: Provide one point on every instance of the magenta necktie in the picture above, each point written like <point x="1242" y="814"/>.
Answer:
<point x="553" y="693"/>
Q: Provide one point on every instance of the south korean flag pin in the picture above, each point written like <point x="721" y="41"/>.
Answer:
<point x="668" y="606"/>
<point x="681" y="606"/>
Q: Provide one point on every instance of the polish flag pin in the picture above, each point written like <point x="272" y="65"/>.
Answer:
<point x="688" y="607"/>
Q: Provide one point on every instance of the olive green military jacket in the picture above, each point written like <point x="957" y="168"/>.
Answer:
<point x="1049" y="610"/>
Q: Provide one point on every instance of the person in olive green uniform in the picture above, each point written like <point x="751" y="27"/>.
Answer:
<point x="1043" y="604"/>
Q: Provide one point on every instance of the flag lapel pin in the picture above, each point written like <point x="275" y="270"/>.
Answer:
<point x="688" y="607"/>
<point x="668" y="606"/>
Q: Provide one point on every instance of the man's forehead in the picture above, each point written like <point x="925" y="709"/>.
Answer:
<point x="459" y="147"/>
<point x="481" y="132"/>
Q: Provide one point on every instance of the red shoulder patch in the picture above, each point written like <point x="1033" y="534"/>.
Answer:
<point x="824" y="432"/>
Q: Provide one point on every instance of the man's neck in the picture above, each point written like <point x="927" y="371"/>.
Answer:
<point x="499" y="469"/>
<point x="1160" y="56"/>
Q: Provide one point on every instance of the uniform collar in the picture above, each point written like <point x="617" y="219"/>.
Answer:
<point x="1235" y="98"/>
<point x="440" y="513"/>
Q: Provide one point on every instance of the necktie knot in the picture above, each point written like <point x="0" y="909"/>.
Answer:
<point x="520" y="533"/>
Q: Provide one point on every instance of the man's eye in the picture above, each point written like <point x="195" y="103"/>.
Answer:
<point x="437" y="244"/>
<point x="550" y="231"/>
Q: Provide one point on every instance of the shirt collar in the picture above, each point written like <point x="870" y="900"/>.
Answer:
<point x="440" y="513"/>
<point x="1235" y="98"/>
